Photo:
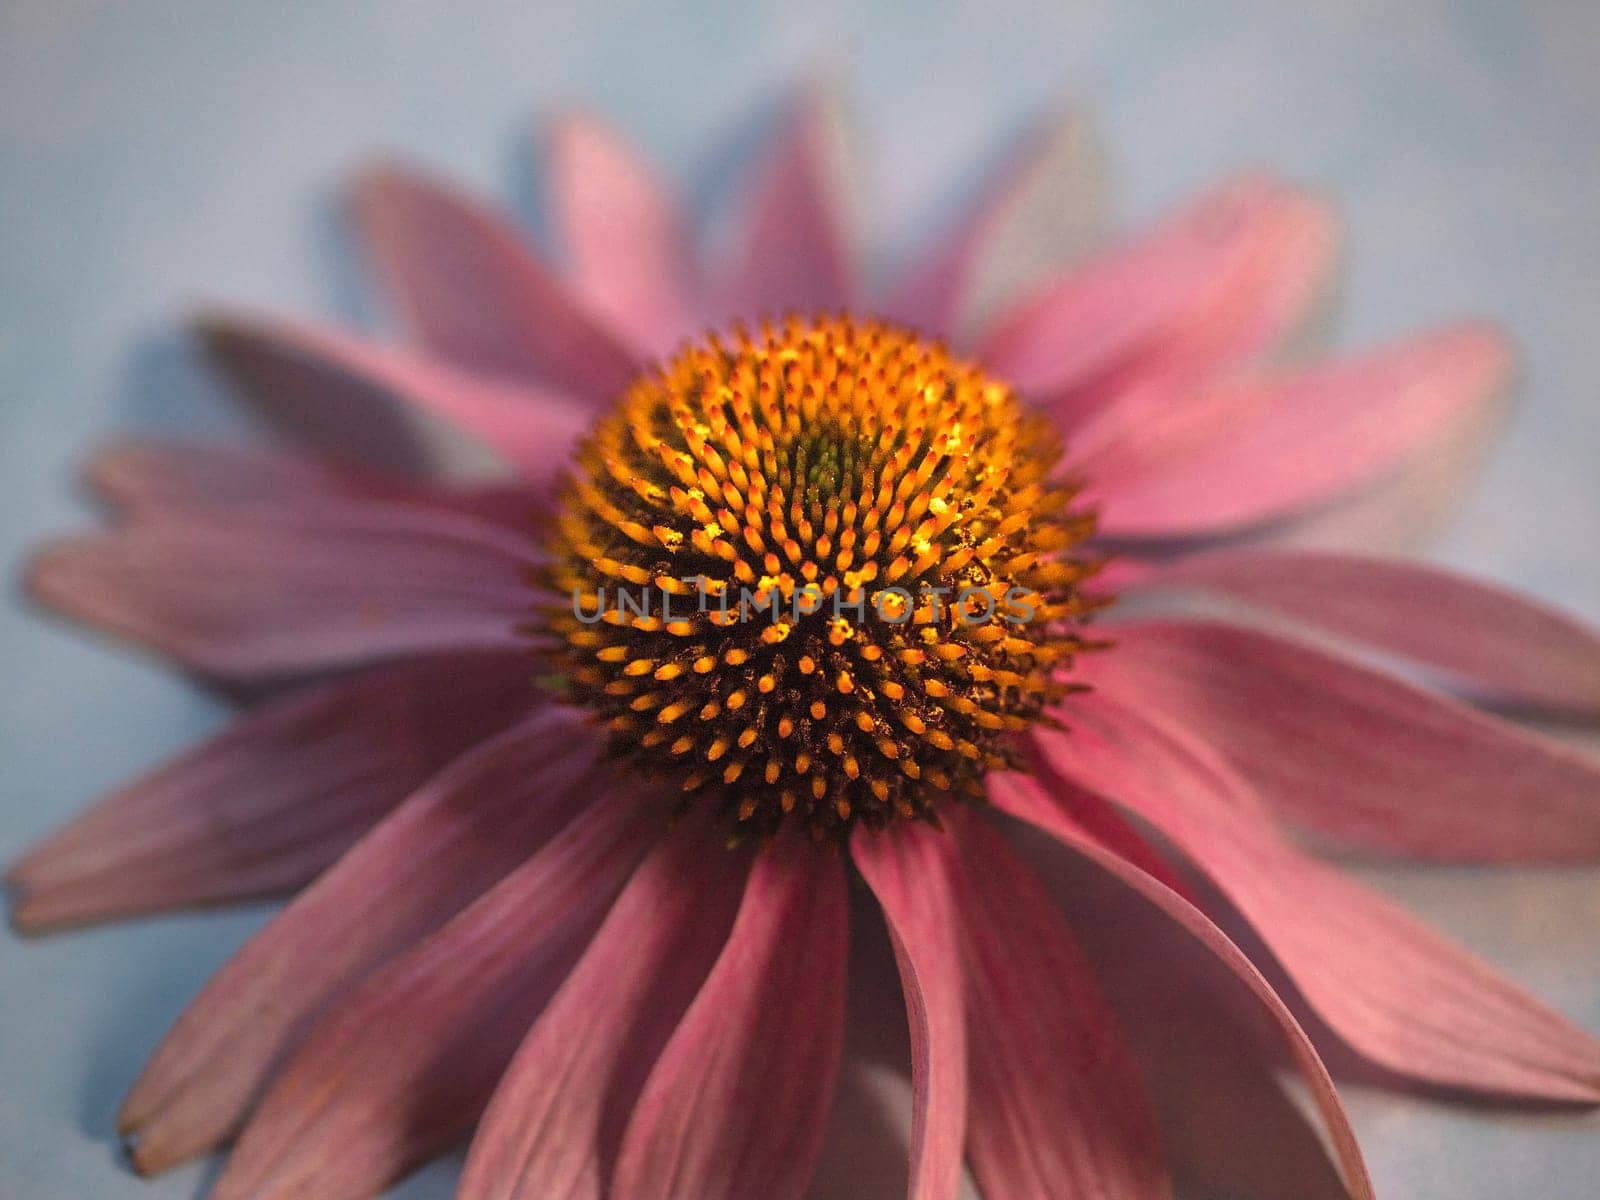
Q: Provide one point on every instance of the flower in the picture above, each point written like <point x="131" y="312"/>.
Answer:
<point x="580" y="874"/>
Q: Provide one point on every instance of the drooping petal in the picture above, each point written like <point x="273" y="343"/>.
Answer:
<point x="1023" y="797"/>
<point x="1074" y="330"/>
<point x="1396" y="993"/>
<point x="914" y="873"/>
<point x="793" y="253"/>
<point x="248" y="596"/>
<point x="470" y="289"/>
<point x="1500" y="645"/>
<point x="1040" y="211"/>
<point x="440" y="850"/>
<point x="1212" y="1068"/>
<point x="738" y="1102"/>
<point x="552" y="1129"/>
<point x="629" y="248"/>
<point x="400" y="1069"/>
<point x="266" y="805"/>
<point x="1057" y="1104"/>
<point x="326" y="387"/>
<point x="141" y="478"/>
<point x="1257" y="451"/>
<point x="1357" y="756"/>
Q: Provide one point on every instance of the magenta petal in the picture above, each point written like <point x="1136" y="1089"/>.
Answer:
<point x="554" y="1124"/>
<point x="1264" y="450"/>
<point x="1023" y="797"/>
<point x="327" y="387"/>
<point x="793" y="253"/>
<point x="266" y="805"/>
<point x="914" y="872"/>
<point x="1395" y="992"/>
<point x="440" y="850"/>
<point x="1501" y="646"/>
<point x="472" y="291"/>
<point x="1039" y="211"/>
<point x="1357" y="756"/>
<point x="247" y="597"/>
<point x="400" y="1069"/>
<point x="1094" y="320"/>
<point x="146" y="479"/>
<point x="1057" y="1104"/>
<point x="738" y="1102"/>
<point x="629" y="249"/>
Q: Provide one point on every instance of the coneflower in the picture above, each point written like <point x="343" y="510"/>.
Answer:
<point x="794" y="594"/>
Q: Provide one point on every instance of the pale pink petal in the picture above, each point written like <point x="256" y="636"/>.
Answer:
<point x="401" y="1068"/>
<point x="1263" y="450"/>
<point x="1024" y="797"/>
<point x="1074" y="331"/>
<point x="738" y="1102"/>
<point x="1405" y="511"/>
<point x="278" y="796"/>
<point x="1057" y="1105"/>
<point x="629" y="248"/>
<point x="914" y="872"/>
<point x="553" y="1128"/>
<point x="1247" y="313"/>
<point x="1501" y="646"/>
<point x="1396" y="993"/>
<point x="445" y="846"/>
<point x="469" y="287"/>
<point x="793" y="254"/>
<point x="1357" y="756"/>
<point x="258" y="596"/>
<point x="326" y="386"/>
<point x="146" y="477"/>
<point x="1038" y="212"/>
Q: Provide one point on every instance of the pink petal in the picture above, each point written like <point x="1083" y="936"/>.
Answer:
<point x="1357" y="756"/>
<point x="793" y="254"/>
<point x="1252" y="452"/>
<point x="327" y="386"/>
<point x="1247" y="312"/>
<point x="1074" y="330"/>
<point x="738" y="1102"/>
<point x="1057" y="1106"/>
<point x="254" y="596"/>
<point x="1501" y="645"/>
<point x="1395" y="992"/>
<point x="553" y="1126"/>
<point x="440" y="850"/>
<point x="146" y="477"/>
<point x="1230" y="1126"/>
<point x="1038" y="212"/>
<point x="401" y="1068"/>
<point x="1024" y="797"/>
<point x="915" y="874"/>
<point x="1406" y="510"/>
<point x="469" y="287"/>
<point x="142" y="474"/>
<point x="265" y="806"/>
<point x="629" y="249"/>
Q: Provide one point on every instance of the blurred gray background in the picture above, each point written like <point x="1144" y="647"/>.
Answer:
<point x="156" y="155"/>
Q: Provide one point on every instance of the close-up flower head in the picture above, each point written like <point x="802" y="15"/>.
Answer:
<point x="684" y="675"/>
